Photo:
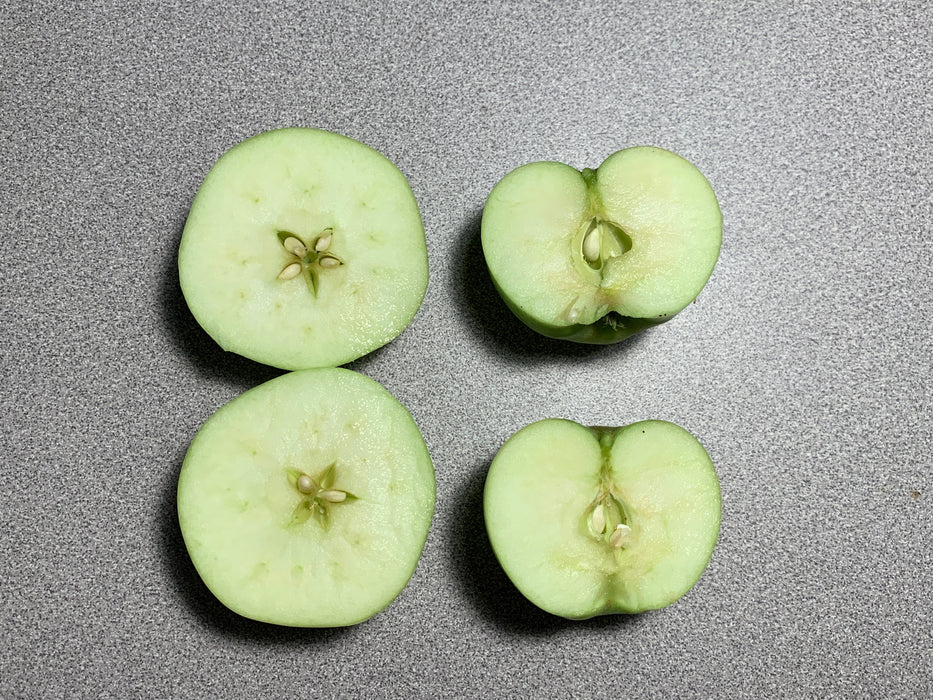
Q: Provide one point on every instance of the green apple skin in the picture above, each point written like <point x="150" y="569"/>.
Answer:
<point x="303" y="248"/>
<point x="306" y="501"/>
<point x="666" y="234"/>
<point x="659" y="505"/>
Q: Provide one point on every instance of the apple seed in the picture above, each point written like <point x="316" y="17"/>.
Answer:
<point x="329" y="261"/>
<point x="323" y="241"/>
<point x="591" y="245"/>
<point x="306" y="484"/>
<point x="290" y="271"/>
<point x="598" y="520"/>
<point x="620" y="535"/>
<point x="295" y="247"/>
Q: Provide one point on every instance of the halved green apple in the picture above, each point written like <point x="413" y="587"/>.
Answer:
<point x="597" y="255"/>
<point x="306" y="501"/>
<point x="303" y="248"/>
<point x="593" y="521"/>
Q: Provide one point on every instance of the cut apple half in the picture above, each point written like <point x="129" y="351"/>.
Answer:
<point x="593" y="521"/>
<point x="597" y="255"/>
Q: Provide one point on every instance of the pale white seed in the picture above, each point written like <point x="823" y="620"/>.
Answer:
<point x="573" y="315"/>
<point x="329" y="262"/>
<point x="619" y="535"/>
<point x="599" y="519"/>
<point x="294" y="246"/>
<point x="291" y="271"/>
<point x="323" y="243"/>
<point x="591" y="245"/>
<point x="334" y="496"/>
<point x="305" y="483"/>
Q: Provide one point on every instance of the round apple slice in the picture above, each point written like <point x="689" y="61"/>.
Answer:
<point x="597" y="255"/>
<point x="593" y="521"/>
<point x="303" y="248"/>
<point x="306" y="501"/>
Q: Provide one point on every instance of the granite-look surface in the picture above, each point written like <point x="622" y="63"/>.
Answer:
<point x="804" y="367"/>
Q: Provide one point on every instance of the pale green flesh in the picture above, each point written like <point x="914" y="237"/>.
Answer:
<point x="237" y="505"/>
<point x="539" y="499"/>
<point x="303" y="181"/>
<point x="535" y="222"/>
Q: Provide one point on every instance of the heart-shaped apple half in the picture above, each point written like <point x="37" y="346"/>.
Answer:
<point x="593" y="521"/>
<point x="598" y="255"/>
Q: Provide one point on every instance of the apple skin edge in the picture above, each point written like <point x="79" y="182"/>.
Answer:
<point x="611" y="328"/>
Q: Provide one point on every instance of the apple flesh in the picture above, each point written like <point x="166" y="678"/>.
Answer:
<point x="598" y="255"/>
<point x="594" y="521"/>
<point x="306" y="501"/>
<point x="303" y="248"/>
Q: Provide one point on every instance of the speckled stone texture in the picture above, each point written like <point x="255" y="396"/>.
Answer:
<point x="804" y="366"/>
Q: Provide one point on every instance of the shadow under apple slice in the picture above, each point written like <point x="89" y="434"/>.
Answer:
<point x="193" y="342"/>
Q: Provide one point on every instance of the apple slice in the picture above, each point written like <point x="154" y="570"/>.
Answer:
<point x="592" y="521"/>
<point x="306" y="501"/>
<point x="597" y="255"/>
<point x="303" y="248"/>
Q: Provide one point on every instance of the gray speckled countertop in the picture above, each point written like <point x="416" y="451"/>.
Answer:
<point x="804" y="367"/>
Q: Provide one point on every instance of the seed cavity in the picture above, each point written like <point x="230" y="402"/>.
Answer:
<point x="603" y="240"/>
<point x="310" y="260"/>
<point x="318" y="494"/>
<point x="591" y="244"/>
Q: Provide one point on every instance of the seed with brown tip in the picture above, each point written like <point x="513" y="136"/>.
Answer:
<point x="323" y="241"/>
<point x="329" y="262"/>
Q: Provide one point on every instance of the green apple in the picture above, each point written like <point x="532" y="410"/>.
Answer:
<point x="593" y="521"/>
<point x="598" y="255"/>
<point x="306" y="501"/>
<point x="303" y="248"/>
